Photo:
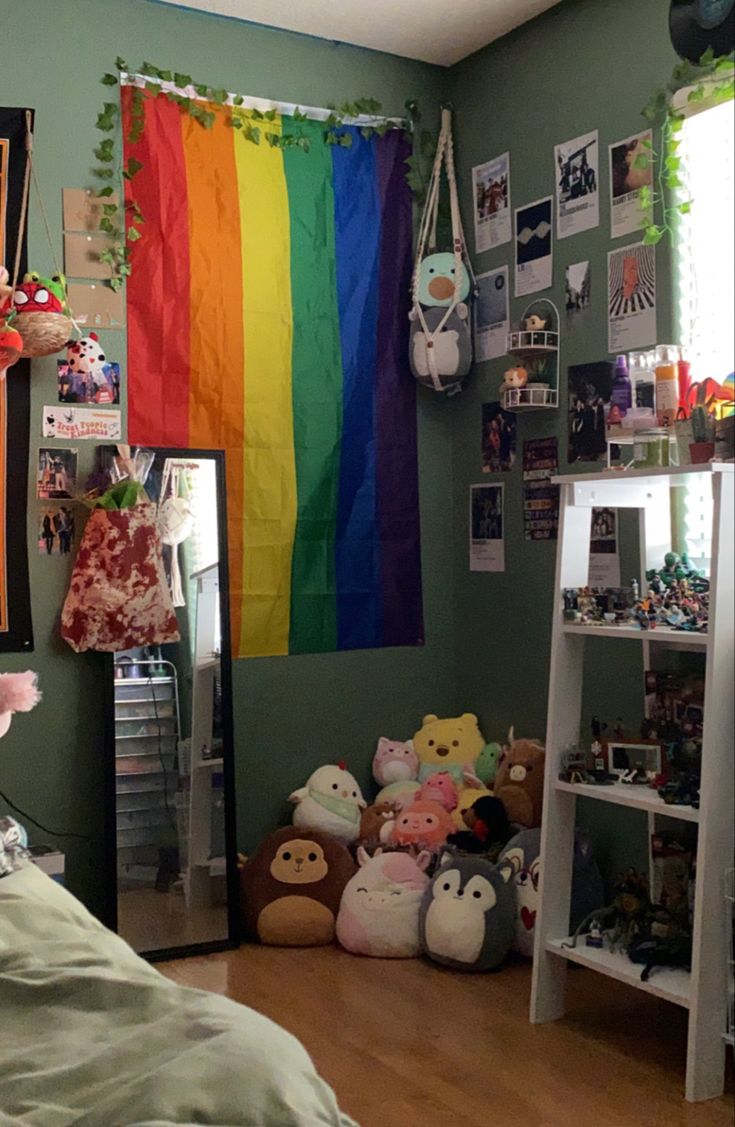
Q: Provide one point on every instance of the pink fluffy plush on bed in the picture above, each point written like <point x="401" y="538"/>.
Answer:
<point x="18" y="692"/>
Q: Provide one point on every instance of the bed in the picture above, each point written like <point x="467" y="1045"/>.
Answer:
<point x="92" y="1035"/>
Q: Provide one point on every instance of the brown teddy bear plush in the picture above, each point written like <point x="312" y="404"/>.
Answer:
<point x="519" y="782"/>
<point x="376" y="824"/>
<point x="292" y="886"/>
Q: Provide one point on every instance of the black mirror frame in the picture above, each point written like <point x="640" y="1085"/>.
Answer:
<point x="228" y="747"/>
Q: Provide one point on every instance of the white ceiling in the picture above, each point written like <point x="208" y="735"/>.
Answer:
<point x="430" y="30"/>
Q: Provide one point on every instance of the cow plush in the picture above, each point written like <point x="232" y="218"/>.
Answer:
<point x="519" y="781"/>
<point x="379" y="911"/>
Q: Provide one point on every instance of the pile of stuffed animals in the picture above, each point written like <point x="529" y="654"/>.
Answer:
<point x="444" y="862"/>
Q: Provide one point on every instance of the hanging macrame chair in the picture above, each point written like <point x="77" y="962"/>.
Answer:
<point x="442" y="286"/>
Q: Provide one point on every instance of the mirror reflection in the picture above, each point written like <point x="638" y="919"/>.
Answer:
<point x="170" y="804"/>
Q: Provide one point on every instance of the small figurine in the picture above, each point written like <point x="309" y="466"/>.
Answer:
<point x="515" y="378"/>
<point x="594" y="937"/>
<point x="539" y="325"/>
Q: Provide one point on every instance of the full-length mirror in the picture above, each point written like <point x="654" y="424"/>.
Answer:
<point x="170" y="721"/>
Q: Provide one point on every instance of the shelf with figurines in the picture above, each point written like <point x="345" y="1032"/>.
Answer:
<point x="533" y="383"/>
<point x="675" y="604"/>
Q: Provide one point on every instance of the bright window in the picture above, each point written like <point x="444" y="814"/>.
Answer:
<point x="706" y="243"/>
<point x="706" y="288"/>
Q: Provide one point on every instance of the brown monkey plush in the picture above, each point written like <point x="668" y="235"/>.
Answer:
<point x="292" y="886"/>
<point x="519" y="781"/>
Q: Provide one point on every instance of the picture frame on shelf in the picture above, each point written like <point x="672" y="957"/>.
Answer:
<point x="624" y="755"/>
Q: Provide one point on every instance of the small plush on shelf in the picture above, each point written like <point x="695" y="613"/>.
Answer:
<point x="376" y="824"/>
<point x="519" y="781"/>
<point x="440" y="787"/>
<point x="452" y="744"/>
<point x="537" y="322"/>
<point x="467" y="913"/>
<point x="292" y="886"/>
<point x="423" y="825"/>
<point x="514" y="378"/>
<point x="394" y="761"/>
<point x="379" y="910"/>
<point x="331" y="801"/>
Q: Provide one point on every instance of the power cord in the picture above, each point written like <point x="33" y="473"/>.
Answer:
<point x="40" y="825"/>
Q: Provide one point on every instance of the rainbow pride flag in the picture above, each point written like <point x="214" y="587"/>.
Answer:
<point x="267" y="316"/>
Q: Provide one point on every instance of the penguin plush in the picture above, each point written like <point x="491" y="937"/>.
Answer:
<point x="467" y="917"/>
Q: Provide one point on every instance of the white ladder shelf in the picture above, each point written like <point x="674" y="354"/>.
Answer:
<point x="703" y="991"/>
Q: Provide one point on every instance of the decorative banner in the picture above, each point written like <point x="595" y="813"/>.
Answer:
<point x="577" y="185"/>
<point x="534" y="247"/>
<point x="487" y="543"/>
<point x="491" y="203"/>
<point x="492" y="319"/>
<point x="498" y="438"/>
<point x="626" y="180"/>
<point x="81" y="422"/>
<point x="540" y="497"/>
<point x="268" y="316"/>
<point x="631" y="297"/>
<point x="16" y="634"/>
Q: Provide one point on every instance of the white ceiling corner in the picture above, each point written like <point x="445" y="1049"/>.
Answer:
<point x="431" y="31"/>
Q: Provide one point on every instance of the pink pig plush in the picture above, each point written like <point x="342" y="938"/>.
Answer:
<point x="440" y="787"/>
<point x="379" y="910"/>
<point x="394" y="761"/>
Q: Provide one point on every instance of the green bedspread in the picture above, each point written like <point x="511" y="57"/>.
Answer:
<point x="91" y="1035"/>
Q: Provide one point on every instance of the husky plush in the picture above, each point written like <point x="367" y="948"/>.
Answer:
<point x="467" y="917"/>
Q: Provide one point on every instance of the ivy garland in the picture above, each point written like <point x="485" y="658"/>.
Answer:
<point x="711" y="80"/>
<point x="121" y="223"/>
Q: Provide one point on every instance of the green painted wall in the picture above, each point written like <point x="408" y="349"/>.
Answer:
<point x="585" y="64"/>
<point x="290" y="714"/>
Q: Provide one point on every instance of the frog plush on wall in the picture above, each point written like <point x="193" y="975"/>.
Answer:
<point x="452" y="745"/>
<point x="444" y="336"/>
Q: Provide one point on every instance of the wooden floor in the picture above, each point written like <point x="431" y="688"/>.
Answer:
<point x="406" y="1044"/>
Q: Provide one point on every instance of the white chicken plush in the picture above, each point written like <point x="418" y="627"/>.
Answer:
<point x="86" y="357"/>
<point x="331" y="801"/>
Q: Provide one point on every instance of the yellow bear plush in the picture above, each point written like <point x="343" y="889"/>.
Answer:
<point x="450" y="745"/>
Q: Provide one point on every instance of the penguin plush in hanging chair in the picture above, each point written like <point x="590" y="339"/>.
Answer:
<point x="440" y="350"/>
